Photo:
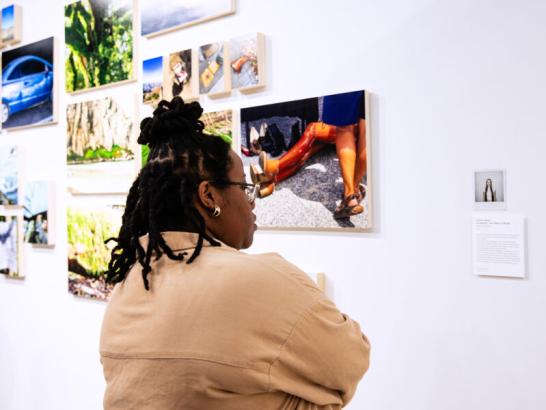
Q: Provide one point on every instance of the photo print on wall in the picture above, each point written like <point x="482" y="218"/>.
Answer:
<point x="99" y="43"/>
<point x="247" y="62"/>
<point x="10" y="246"/>
<point x="490" y="189"/>
<point x="28" y="85"/>
<point x="38" y="213"/>
<point x="152" y="80"/>
<point x="181" y="76"/>
<point x="88" y="227"/>
<point x="11" y="25"/>
<point x="213" y="77"/>
<point x="100" y="147"/>
<point x="10" y="178"/>
<point x="310" y="158"/>
<point x="161" y="17"/>
<point x="218" y="123"/>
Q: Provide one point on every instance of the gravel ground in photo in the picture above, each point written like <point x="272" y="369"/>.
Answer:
<point x="308" y="198"/>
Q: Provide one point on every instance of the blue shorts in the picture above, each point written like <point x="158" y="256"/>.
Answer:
<point x="343" y="109"/>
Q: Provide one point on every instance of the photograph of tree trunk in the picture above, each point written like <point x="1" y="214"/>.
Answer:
<point x="100" y="147"/>
<point x="99" y="43"/>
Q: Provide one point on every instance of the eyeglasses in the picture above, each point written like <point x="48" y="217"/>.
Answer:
<point x="251" y="190"/>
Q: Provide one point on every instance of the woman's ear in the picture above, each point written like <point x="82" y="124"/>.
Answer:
<point x="205" y="195"/>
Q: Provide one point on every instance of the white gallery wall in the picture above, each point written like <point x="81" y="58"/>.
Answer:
<point x="456" y="86"/>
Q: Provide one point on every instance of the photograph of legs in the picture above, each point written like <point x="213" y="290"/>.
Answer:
<point x="247" y="63"/>
<point x="310" y="159"/>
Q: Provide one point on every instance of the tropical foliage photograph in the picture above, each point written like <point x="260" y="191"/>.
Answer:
<point x="99" y="43"/>
<point x="218" y="123"/>
<point x="88" y="254"/>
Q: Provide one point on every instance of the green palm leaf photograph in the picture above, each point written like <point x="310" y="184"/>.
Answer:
<point x="99" y="43"/>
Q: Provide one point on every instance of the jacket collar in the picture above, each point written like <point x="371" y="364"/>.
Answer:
<point x="178" y="241"/>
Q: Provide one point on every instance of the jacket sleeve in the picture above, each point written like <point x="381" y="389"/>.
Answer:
<point x="323" y="358"/>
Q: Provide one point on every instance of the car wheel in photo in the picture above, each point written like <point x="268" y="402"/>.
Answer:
<point x="5" y="112"/>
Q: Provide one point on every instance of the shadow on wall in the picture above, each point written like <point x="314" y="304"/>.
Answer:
<point x="7" y="370"/>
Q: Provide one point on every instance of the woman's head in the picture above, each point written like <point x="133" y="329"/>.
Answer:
<point x="488" y="183"/>
<point x="192" y="182"/>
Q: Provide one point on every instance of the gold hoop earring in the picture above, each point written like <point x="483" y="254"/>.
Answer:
<point x="217" y="211"/>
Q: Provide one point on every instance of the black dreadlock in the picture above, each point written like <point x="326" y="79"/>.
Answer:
<point x="161" y="198"/>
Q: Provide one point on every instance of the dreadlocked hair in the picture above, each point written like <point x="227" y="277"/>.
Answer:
<point x="161" y="198"/>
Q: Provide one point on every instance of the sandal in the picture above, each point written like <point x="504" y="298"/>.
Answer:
<point x="344" y="210"/>
<point x="266" y="189"/>
<point x="257" y="175"/>
<point x="361" y="194"/>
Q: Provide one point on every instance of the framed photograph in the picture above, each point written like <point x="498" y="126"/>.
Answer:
<point x="11" y="245"/>
<point x="10" y="176"/>
<point x="214" y="78"/>
<point x="181" y="75"/>
<point x="89" y="225"/>
<point x="28" y="85"/>
<point x="490" y="189"/>
<point x="39" y="213"/>
<point x="247" y="62"/>
<point x="12" y="28"/>
<point x="221" y="124"/>
<point x="161" y="17"/>
<point x="99" y="42"/>
<point x="152" y="80"/>
<point x="218" y="123"/>
<point x="100" y="147"/>
<point x="311" y="160"/>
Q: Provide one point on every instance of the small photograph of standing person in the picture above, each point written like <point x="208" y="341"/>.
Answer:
<point x="489" y="187"/>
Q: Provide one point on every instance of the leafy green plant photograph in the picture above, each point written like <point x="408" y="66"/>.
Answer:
<point x="99" y="43"/>
<point x="217" y="123"/>
<point x="88" y="254"/>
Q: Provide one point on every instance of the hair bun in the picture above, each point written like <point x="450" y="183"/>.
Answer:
<point x="171" y="121"/>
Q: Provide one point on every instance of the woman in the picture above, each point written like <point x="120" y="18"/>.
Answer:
<point x="489" y="195"/>
<point x="194" y="323"/>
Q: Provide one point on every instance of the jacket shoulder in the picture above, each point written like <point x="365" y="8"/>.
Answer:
<point x="270" y="272"/>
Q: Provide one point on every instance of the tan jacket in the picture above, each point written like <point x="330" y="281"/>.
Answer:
<point x="229" y="331"/>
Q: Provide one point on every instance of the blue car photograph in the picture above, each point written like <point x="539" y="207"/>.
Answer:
<point x="27" y="85"/>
